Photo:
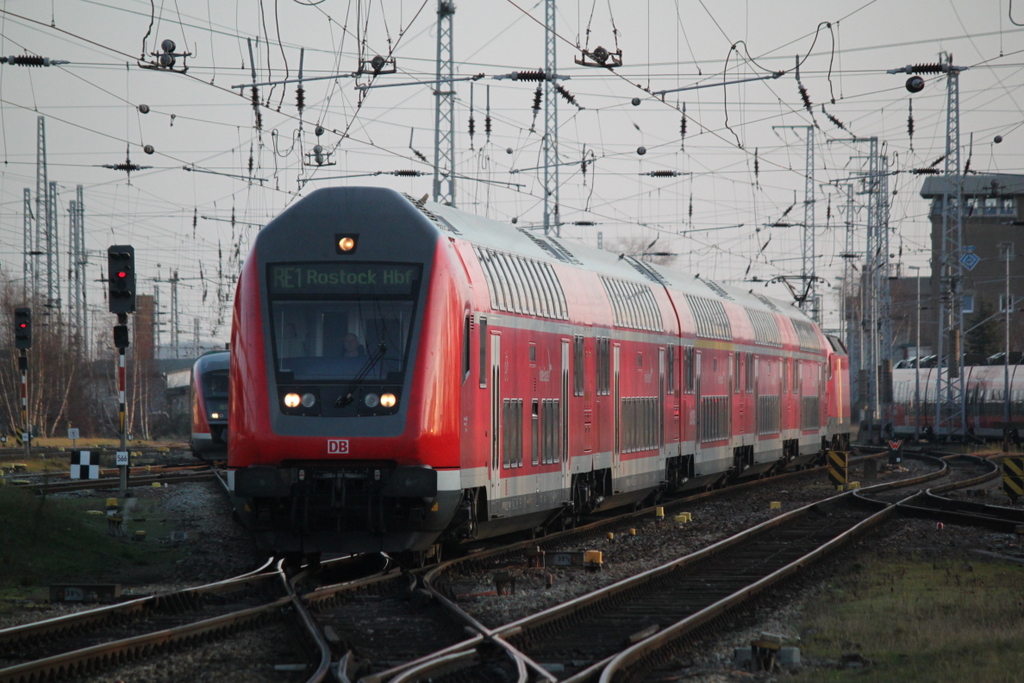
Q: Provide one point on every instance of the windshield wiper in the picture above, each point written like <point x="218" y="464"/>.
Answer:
<point x="347" y="396"/>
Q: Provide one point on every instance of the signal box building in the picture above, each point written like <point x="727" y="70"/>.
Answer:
<point x="992" y="228"/>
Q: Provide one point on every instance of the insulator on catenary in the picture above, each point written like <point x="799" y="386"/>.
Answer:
<point x="757" y="165"/>
<point x="407" y="173"/>
<point x="30" y="60"/>
<point x="935" y="68"/>
<point x="661" y="174"/>
<point x="806" y="99"/>
<point x="300" y="99"/>
<point x="528" y="76"/>
<point x="537" y="94"/>
<point x="584" y="223"/>
<point x="682" y="129"/>
<point x="472" y="128"/>
<point x="568" y="96"/>
<point x="836" y="122"/>
<point x="910" y="124"/>
<point x="419" y="155"/>
<point x="255" y="97"/>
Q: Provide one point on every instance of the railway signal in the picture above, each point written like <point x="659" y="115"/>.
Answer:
<point x="23" y="328"/>
<point x="121" y="278"/>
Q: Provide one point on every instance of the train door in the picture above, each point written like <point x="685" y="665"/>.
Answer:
<point x="661" y="402"/>
<point x="494" y="478"/>
<point x="698" y="408"/>
<point x="566" y="469"/>
<point x="617" y="445"/>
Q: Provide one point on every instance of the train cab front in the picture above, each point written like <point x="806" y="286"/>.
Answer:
<point x="336" y="451"/>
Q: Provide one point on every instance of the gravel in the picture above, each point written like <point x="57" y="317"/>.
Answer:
<point x="216" y="548"/>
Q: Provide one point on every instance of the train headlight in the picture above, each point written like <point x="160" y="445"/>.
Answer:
<point x="388" y="400"/>
<point x="345" y="244"/>
<point x="308" y="400"/>
<point x="371" y="400"/>
<point x="214" y="416"/>
<point x="292" y="400"/>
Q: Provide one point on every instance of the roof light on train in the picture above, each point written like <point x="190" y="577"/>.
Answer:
<point x="388" y="400"/>
<point x="346" y="244"/>
<point x="292" y="400"/>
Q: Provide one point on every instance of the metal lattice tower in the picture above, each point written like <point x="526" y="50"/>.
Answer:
<point x="52" y="253"/>
<point x="28" y="226"/>
<point x="552" y="219"/>
<point x="78" y="318"/>
<point x="807" y="270"/>
<point x="846" y="320"/>
<point x="444" y="108"/>
<point x="950" y="409"/>
<point x="874" y="273"/>
<point x="174" y="314"/>
<point x="809" y="301"/>
<point x="42" y="203"/>
<point x="883" y="354"/>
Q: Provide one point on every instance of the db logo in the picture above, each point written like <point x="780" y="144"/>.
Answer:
<point x="337" y="446"/>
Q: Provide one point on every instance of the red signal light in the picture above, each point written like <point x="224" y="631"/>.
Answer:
<point x="122" y="274"/>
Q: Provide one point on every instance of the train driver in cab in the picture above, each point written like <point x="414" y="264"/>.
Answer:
<point x="353" y="349"/>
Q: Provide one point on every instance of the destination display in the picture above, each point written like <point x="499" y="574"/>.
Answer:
<point x="343" y="278"/>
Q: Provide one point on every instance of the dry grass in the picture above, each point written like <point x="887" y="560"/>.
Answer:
<point x="925" y="621"/>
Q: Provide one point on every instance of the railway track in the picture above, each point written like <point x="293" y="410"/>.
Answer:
<point x="86" y="643"/>
<point x="622" y="630"/>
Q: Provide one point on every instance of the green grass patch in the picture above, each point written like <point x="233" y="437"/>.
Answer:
<point x="46" y="540"/>
<point x="920" y="622"/>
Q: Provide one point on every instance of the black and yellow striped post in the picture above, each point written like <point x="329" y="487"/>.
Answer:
<point x="1013" y="477"/>
<point x="838" y="464"/>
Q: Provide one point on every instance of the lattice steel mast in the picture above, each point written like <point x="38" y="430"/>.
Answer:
<point x="42" y="202"/>
<point x="552" y="219"/>
<point x="444" y="108"/>
<point x="950" y="409"/>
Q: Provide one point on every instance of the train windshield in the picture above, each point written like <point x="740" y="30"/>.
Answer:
<point x="215" y="391"/>
<point x="342" y="321"/>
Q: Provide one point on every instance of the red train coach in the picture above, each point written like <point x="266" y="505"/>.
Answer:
<point x="209" y="396"/>
<point x="402" y="374"/>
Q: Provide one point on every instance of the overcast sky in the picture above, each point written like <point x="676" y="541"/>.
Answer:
<point x="741" y="162"/>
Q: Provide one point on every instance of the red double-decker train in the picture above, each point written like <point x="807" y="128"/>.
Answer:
<point x="208" y="389"/>
<point x="403" y="374"/>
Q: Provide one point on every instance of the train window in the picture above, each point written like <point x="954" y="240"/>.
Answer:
<point x="540" y="291"/>
<point x="671" y="370"/>
<point x="483" y="353"/>
<point x="750" y="373"/>
<point x="512" y="424"/>
<point x="533" y="352"/>
<point x="514" y="287"/>
<point x="529" y="300"/>
<point x="334" y="322"/>
<point x="466" y="353"/>
<point x="688" y="369"/>
<point x="639" y="359"/>
<point x="602" y="366"/>
<point x="550" y="424"/>
<point x="796" y="376"/>
<point x="577" y="365"/>
<point x="738" y="372"/>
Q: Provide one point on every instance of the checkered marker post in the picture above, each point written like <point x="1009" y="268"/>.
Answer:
<point x="84" y="465"/>
<point x="838" y="464"/>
